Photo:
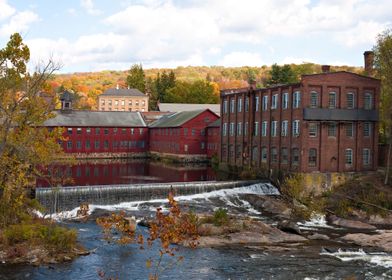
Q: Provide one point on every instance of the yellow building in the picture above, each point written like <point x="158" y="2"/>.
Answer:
<point x="123" y="99"/>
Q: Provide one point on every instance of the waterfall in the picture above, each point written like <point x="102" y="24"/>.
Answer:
<point x="67" y="198"/>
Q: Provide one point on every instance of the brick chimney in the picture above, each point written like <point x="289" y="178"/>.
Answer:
<point x="252" y="84"/>
<point x="369" y="59"/>
<point x="325" y="68"/>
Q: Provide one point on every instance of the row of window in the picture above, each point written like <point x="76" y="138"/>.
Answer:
<point x="123" y="109"/>
<point x="296" y="102"/>
<point x="98" y="130"/>
<point x="121" y="102"/>
<point x="243" y="130"/>
<point x="348" y="157"/>
<point x="177" y="131"/>
<point x="172" y="146"/>
<point x="349" y="128"/>
<point x="105" y="144"/>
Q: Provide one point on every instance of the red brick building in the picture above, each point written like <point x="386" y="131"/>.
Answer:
<point x="181" y="134"/>
<point x="327" y="123"/>
<point x="213" y="138"/>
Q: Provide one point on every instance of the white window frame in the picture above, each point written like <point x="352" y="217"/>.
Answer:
<point x="352" y="100"/>
<point x="224" y="106"/>
<point x="284" y="129"/>
<point x="348" y="157"/>
<point x="368" y="101"/>
<point x="265" y="102"/>
<point x="332" y="100"/>
<point x="232" y="105"/>
<point x="274" y="101"/>
<point x="231" y="131"/>
<point x="296" y="99"/>
<point x="313" y="133"/>
<point x="285" y="100"/>
<point x="366" y="157"/>
<point x="264" y="127"/>
<point x="239" y="105"/>
<point x="239" y="128"/>
<point x="296" y="125"/>
<point x="274" y="128"/>
<point x="314" y="99"/>
<point x="256" y="129"/>
<point x="224" y="129"/>
<point x="257" y="103"/>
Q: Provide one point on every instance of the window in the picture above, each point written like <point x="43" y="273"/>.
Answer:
<point x="274" y="155"/>
<point x="78" y="144"/>
<point x="284" y="155"/>
<point x="141" y="131"/>
<point x="274" y="102"/>
<point x="186" y="130"/>
<point x="332" y="100"/>
<point x="79" y="130"/>
<point x="285" y="100"/>
<point x="349" y="129"/>
<point x="106" y="144"/>
<point x="69" y="145"/>
<point x="122" y="102"/>
<point x="202" y="145"/>
<point x="312" y="157"/>
<point x="313" y="99"/>
<point x="350" y="100"/>
<point x="96" y="144"/>
<point x="69" y="129"/>
<point x="313" y="129"/>
<point x="239" y="105"/>
<point x="231" y="129"/>
<point x="368" y="101"/>
<point x="296" y="99"/>
<point x="256" y="104"/>
<point x="264" y="154"/>
<point x="232" y="105"/>
<point x="97" y="130"/>
<point x="265" y="102"/>
<point x="256" y="129"/>
<point x="106" y="131"/>
<point x="274" y="128"/>
<point x="224" y="128"/>
<point x="137" y="102"/>
<point x="239" y="129"/>
<point x="103" y="102"/>
<point x="367" y="127"/>
<point x="366" y="156"/>
<point x="130" y="103"/>
<point x="124" y="130"/>
<point x="88" y="130"/>
<point x="295" y="156"/>
<point x="349" y="156"/>
<point x="143" y="103"/>
<point x="115" y="102"/>
<point x="247" y="104"/>
<point x="246" y="129"/>
<point x="284" y="129"/>
<point x="87" y="144"/>
<point x="194" y="130"/>
<point x="225" y="106"/>
<point x="332" y="130"/>
<point x="255" y="153"/>
<point x="296" y="128"/>
<point x="264" y="128"/>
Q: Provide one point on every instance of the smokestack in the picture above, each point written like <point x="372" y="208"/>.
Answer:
<point x="325" y="68"/>
<point x="369" y="59"/>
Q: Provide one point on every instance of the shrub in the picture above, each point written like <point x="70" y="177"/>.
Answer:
<point x="220" y="217"/>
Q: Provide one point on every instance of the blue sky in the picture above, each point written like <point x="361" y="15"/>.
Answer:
<point x="92" y="35"/>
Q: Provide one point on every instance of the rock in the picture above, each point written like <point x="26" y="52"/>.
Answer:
<point x="144" y="223"/>
<point x="270" y="204"/>
<point x="318" y="236"/>
<point x="382" y="240"/>
<point x="334" y="220"/>
<point x="67" y="258"/>
<point x="289" y="226"/>
<point x="210" y="229"/>
<point x="379" y="220"/>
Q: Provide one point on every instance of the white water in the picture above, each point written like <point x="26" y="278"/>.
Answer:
<point x="376" y="258"/>
<point x="316" y="221"/>
<point x="223" y="194"/>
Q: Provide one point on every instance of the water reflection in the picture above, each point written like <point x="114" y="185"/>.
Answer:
<point x="109" y="172"/>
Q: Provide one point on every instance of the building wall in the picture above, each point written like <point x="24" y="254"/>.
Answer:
<point x="123" y="103"/>
<point x="213" y="141"/>
<point x="188" y="139"/>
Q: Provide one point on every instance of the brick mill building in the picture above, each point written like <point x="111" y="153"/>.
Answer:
<point x="326" y="123"/>
<point x="123" y="99"/>
<point x="213" y="138"/>
<point x="182" y="134"/>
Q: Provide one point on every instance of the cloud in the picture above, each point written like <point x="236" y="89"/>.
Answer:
<point x="5" y="10"/>
<point x="241" y="59"/>
<point x="19" y="22"/>
<point x="88" y="5"/>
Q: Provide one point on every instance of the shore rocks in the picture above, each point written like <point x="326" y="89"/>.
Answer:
<point x="289" y="226"/>
<point x="271" y="205"/>
<point x="382" y="240"/>
<point x="336" y="221"/>
<point x="318" y="236"/>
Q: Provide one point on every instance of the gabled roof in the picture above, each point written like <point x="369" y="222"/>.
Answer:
<point x="179" y="107"/>
<point x="216" y="123"/>
<point x="96" y="118"/>
<point x="177" y="119"/>
<point x="123" y="92"/>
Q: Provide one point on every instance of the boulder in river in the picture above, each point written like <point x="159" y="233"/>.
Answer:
<point x="336" y="221"/>
<point x="383" y="239"/>
<point x="289" y="226"/>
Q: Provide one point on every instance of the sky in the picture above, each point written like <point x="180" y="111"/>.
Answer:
<point x="95" y="35"/>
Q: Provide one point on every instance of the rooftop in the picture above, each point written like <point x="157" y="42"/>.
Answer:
<point x="123" y="92"/>
<point x="179" y="107"/>
<point x="176" y="119"/>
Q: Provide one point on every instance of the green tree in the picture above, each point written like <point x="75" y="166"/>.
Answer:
<point x="136" y="78"/>
<point x="198" y="92"/>
<point x="24" y="147"/>
<point x="383" y="64"/>
<point x="281" y="75"/>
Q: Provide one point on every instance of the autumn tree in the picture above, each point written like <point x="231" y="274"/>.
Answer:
<point x="198" y="92"/>
<point x="24" y="144"/>
<point x="136" y="78"/>
<point x="281" y="75"/>
<point x="383" y="64"/>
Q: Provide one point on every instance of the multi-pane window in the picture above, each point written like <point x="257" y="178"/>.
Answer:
<point x="87" y="144"/>
<point x="122" y="102"/>
<point x="348" y="156"/>
<point x="106" y="144"/>
<point x="295" y="156"/>
<point x="314" y="99"/>
<point x="350" y="100"/>
<point x="264" y="154"/>
<point x="284" y="128"/>
<point x="78" y="144"/>
<point x="256" y="129"/>
<point x="285" y="100"/>
<point x="367" y="128"/>
<point x="284" y="155"/>
<point x="274" y="128"/>
<point x="69" y="129"/>
<point x="69" y="145"/>
<point x="79" y="130"/>
<point x="96" y="144"/>
<point x="247" y="104"/>
<point x="225" y="107"/>
<point x="366" y="156"/>
<point x="349" y="129"/>
<point x="265" y="102"/>
<point x="231" y="129"/>
<point x="274" y="101"/>
<point x="313" y="127"/>
<point x="368" y="101"/>
<point x="296" y="99"/>
<point x="106" y="131"/>
<point x="332" y="100"/>
<point x="264" y="125"/>
<point x="332" y="129"/>
<point x="296" y="128"/>
<point x="239" y="105"/>
<point x="312" y="157"/>
<point x="239" y="129"/>
<point x="97" y="130"/>
<point x="257" y="103"/>
<point x="88" y="130"/>
<point x="274" y="155"/>
<point x="232" y="105"/>
<point x="224" y="128"/>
